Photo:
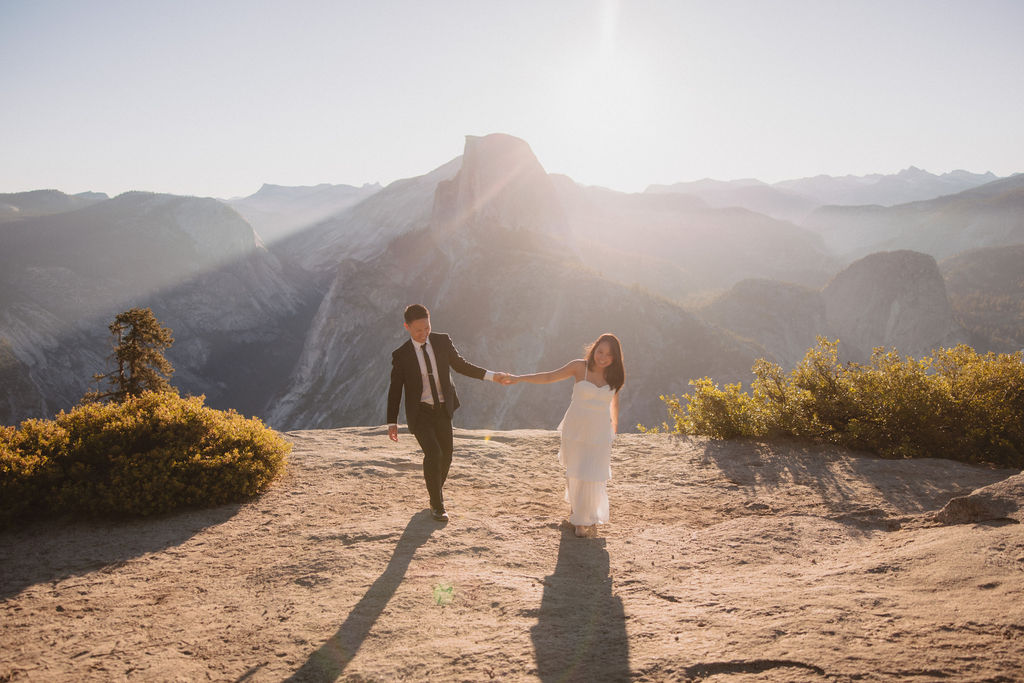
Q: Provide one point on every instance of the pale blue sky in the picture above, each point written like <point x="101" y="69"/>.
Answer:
<point x="216" y="97"/>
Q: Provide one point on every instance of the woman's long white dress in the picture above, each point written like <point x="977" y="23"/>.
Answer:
<point x="586" y="452"/>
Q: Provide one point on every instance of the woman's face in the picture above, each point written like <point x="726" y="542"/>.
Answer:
<point x="603" y="355"/>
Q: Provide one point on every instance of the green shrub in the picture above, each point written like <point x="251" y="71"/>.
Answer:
<point x="149" y="454"/>
<point x="986" y="403"/>
<point x="18" y="477"/>
<point x="722" y="413"/>
<point x="956" y="404"/>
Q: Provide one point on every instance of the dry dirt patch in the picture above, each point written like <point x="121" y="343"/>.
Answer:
<point x="723" y="561"/>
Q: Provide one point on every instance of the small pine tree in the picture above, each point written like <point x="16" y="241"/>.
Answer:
<point x="139" y="343"/>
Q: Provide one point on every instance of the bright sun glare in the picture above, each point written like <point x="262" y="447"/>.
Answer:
<point x="603" y="95"/>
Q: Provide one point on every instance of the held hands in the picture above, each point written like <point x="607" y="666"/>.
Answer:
<point x="503" y="378"/>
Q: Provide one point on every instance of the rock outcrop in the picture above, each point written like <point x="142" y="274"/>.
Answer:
<point x="1002" y="500"/>
<point x="891" y="299"/>
<point x="724" y="561"/>
<point x="499" y="185"/>
<point x="894" y="300"/>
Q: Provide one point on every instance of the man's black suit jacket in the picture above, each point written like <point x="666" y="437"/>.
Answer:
<point x="405" y="375"/>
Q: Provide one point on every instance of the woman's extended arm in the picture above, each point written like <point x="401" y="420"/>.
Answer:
<point x="573" y="368"/>
<point x="615" y="413"/>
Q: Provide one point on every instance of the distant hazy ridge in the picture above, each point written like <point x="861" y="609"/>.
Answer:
<point x="287" y="303"/>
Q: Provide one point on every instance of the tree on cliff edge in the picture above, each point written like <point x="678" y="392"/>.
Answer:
<point x="139" y="343"/>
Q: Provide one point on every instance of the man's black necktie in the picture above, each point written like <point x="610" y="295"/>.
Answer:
<point x="430" y="376"/>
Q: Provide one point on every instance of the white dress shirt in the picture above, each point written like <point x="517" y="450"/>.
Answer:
<point x="426" y="396"/>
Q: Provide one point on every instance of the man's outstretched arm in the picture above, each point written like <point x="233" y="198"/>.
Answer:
<point x="464" y="367"/>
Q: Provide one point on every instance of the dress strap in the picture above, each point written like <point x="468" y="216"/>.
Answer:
<point x="585" y="370"/>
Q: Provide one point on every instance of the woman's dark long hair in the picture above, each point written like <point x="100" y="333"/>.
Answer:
<point x="614" y="374"/>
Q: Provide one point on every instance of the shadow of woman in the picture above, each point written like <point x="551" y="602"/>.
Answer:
<point x="328" y="662"/>
<point x="581" y="629"/>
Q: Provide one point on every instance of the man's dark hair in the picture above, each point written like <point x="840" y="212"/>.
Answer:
<point x="416" y="312"/>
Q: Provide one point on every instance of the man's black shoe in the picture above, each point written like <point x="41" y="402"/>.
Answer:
<point x="440" y="514"/>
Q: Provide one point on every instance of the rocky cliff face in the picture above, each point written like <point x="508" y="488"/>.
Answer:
<point x="499" y="185"/>
<point x="497" y="274"/>
<point x="20" y="395"/>
<point x="512" y="309"/>
<point x="891" y="299"/>
<point x="522" y="268"/>
<point x="231" y="304"/>
<point x="365" y="230"/>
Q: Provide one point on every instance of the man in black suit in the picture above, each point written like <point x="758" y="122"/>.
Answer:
<point x="420" y="367"/>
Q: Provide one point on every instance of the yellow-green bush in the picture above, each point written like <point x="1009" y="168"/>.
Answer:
<point x="956" y="404"/>
<point x="149" y="454"/>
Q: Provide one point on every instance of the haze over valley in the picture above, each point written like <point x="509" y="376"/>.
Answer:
<point x="286" y="304"/>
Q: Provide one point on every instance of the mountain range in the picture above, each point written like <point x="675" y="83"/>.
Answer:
<point x="795" y="199"/>
<point x="286" y="304"/>
<point x="276" y="211"/>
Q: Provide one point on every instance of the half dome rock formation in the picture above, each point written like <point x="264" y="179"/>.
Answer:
<point x="891" y="299"/>
<point x="500" y="185"/>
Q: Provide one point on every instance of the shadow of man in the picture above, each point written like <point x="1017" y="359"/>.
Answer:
<point x="327" y="663"/>
<point x="581" y="630"/>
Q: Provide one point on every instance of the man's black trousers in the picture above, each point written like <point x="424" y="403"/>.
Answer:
<point x="434" y="434"/>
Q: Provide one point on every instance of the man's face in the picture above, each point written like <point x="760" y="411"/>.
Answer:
<point x="418" y="330"/>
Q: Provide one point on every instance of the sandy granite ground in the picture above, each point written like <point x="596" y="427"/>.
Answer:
<point x="723" y="561"/>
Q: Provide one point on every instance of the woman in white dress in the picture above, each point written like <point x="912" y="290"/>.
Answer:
<point x="588" y="427"/>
